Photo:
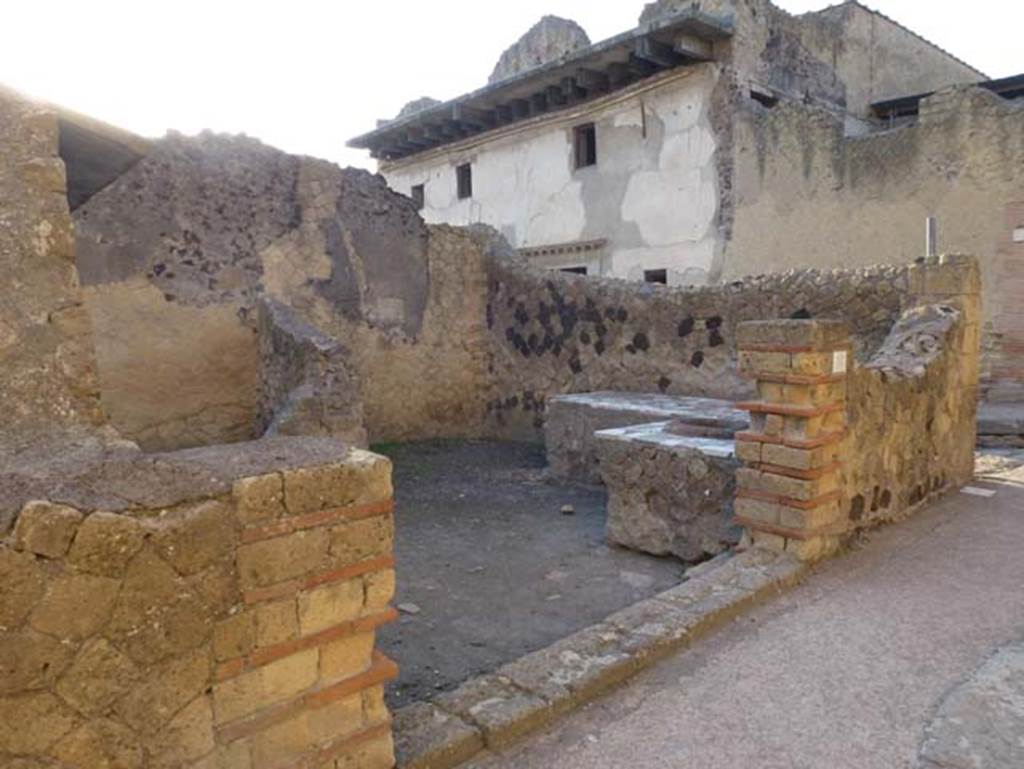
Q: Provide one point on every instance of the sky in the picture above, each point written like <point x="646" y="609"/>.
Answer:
<point x="306" y="75"/>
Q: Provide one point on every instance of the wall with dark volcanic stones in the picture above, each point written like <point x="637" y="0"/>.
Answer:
<point x="554" y="333"/>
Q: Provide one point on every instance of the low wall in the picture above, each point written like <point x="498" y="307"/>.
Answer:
<point x="837" y="444"/>
<point x="554" y="333"/>
<point x="224" y="623"/>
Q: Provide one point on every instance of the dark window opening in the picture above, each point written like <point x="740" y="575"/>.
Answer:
<point x="656" y="276"/>
<point x="418" y="196"/>
<point x="464" y="178"/>
<point x="764" y="99"/>
<point x="585" y="142"/>
<point x="574" y="270"/>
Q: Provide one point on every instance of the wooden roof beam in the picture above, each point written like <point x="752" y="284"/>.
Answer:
<point x="659" y="54"/>
<point x="478" y="118"/>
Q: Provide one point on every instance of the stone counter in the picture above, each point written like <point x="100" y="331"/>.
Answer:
<point x="573" y="419"/>
<point x="668" y="493"/>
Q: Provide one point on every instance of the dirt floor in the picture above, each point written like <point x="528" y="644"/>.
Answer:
<point x="489" y="567"/>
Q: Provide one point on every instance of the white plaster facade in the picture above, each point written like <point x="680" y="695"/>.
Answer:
<point x="652" y="196"/>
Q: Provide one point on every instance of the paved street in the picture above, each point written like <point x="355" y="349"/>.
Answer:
<point x="843" y="672"/>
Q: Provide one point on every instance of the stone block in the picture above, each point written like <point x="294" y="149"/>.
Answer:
<point x="799" y="459"/>
<point x="426" y="737"/>
<point x="277" y="622"/>
<point x="770" y="392"/>
<point x="330" y="605"/>
<point x="758" y="510"/>
<point x="346" y="657"/>
<point x="750" y="479"/>
<point x="361" y="540"/>
<point x="752" y="363"/>
<point x="259" y="498"/>
<point x="375" y="710"/>
<point x="335" y="719"/>
<point x="813" y="395"/>
<point x="235" y="636"/>
<point x="194" y="538"/>
<point x="283" y="558"/>
<point x="46" y="529"/>
<point x="362" y="478"/>
<point x="812" y="549"/>
<point x="816" y="518"/>
<point x="767" y="541"/>
<point x="49" y="718"/>
<point x="376" y="753"/>
<point x="278" y="681"/>
<point x="187" y="737"/>
<point x="98" y="677"/>
<point x="822" y="334"/>
<point x="502" y="711"/>
<point x="23" y="585"/>
<point x="163" y="691"/>
<point x="101" y="743"/>
<point x="812" y="363"/>
<point x="30" y="660"/>
<point x="159" y="614"/>
<point x="106" y="543"/>
<point x="749" y="451"/>
<point x="380" y="590"/>
<point x="75" y="606"/>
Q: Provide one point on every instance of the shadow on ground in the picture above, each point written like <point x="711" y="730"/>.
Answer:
<point x="490" y="569"/>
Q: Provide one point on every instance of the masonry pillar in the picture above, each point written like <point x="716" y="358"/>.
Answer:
<point x="789" y="493"/>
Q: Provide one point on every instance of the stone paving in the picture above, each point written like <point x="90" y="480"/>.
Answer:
<point x="850" y="669"/>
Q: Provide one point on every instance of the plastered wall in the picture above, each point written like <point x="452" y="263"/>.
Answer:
<point x="653" y="194"/>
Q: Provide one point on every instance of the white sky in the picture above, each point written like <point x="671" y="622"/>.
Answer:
<point x="305" y="75"/>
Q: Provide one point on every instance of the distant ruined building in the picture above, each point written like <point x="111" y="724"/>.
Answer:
<point x="720" y="139"/>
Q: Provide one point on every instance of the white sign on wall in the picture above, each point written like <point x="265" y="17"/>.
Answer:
<point x="839" y="362"/>
<point x="1018" y="235"/>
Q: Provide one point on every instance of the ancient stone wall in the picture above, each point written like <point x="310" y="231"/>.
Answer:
<point x="176" y="252"/>
<point x="805" y="194"/>
<point x="215" y="624"/>
<point x="306" y="385"/>
<point x="837" y="444"/>
<point x="554" y="333"/>
<point x="47" y="364"/>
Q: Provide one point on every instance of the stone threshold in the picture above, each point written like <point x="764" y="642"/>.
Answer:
<point x="493" y="710"/>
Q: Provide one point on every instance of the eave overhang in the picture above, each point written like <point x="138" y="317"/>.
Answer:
<point x="569" y="81"/>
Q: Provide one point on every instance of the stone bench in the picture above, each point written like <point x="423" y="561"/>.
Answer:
<point x="572" y="420"/>
<point x="668" y="493"/>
